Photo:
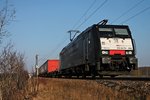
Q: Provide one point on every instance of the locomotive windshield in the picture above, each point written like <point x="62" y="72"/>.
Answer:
<point x="106" y="32"/>
<point x="119" y="31"/>
<point x="112" y="32"/>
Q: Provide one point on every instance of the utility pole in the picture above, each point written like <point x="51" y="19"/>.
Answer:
<point x="36" y="65"/>
<point x="36" y="72"/>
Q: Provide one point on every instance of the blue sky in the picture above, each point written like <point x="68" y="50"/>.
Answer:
<point x="41" y="26"/>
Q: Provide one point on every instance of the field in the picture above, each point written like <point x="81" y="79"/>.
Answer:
<point x="64" y="89"/>
<point x="79" y="89"/>
<point x="74" y="89"/>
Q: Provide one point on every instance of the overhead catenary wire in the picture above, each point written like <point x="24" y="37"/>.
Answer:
<point x="126" y="12"/>
<point x="53" y="50"/>
<point x="142" y="11"/>
<point x="103" y="3"/>
<point x="84" y="14"/>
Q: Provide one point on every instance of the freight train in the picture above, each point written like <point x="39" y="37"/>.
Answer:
<point x="100" y="50"/>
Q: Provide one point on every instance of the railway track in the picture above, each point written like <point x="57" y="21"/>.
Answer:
<point x="129" y="78"/>
<point x="118" y="78"/>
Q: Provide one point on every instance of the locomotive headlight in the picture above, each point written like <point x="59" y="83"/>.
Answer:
<point x="105" y="52"/>
<point x="129" y="52"/>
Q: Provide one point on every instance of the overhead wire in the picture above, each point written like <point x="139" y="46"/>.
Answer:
<point x="142" y="11"/>
<point x="84" y="14"/>
<point x="103" y="3"/>
<point x="53" y="50"/>
<point x="126" y="12"/>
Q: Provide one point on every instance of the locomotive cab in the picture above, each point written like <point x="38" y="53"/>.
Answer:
<point x="117" y="49"/>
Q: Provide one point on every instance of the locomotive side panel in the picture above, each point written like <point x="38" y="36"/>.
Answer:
<point x="73" y="55"/>
<point x="89" y="51"/>
<point x="80" y="55"/>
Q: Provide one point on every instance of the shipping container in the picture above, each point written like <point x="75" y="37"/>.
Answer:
<point x="50" y="66"/>
<point x="53" y="65"/>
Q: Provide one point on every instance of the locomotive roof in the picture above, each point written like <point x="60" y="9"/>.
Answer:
<point x="110" y="26"/>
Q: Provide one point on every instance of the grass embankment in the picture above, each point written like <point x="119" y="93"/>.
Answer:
<point x="73" y="89"/>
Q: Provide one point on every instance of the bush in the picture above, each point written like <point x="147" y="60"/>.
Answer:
<point x="13" y="75"/>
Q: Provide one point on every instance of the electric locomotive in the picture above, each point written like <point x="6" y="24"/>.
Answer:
<point x="100" y="50"/>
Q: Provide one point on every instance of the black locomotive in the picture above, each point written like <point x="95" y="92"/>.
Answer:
<point x="100" y="50"/>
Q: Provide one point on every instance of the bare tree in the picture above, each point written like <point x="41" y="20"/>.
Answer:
<point x="7" y="14"/>
<point x="13" y="75"/>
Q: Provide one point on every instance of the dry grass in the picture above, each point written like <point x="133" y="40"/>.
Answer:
<point x="66" y="89"/>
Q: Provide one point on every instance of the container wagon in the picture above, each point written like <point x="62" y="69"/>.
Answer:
<point x="49" y="68"/>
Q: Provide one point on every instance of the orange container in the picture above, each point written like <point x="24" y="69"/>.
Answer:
<point x="52" y="65"/>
